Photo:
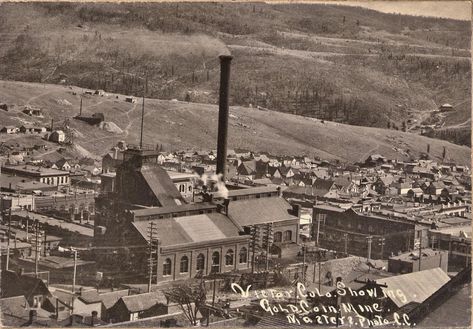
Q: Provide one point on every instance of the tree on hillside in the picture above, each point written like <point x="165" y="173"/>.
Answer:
<point x="444" y="153"/>
<point x="428" y="148"/>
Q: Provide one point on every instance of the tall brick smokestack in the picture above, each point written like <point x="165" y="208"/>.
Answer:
<point x="225" y="61"/>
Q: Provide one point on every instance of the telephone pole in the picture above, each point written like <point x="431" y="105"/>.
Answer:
<point x="269" y="241"/>
<point x="37" y="245"/>
<point x="8" y="239"/>
<point x="75" y="272"/>
<point x="370" y="240"/>
<point x="152" y="234"/>
<point x="345" y="235"/>
<point x="420" y="248"/>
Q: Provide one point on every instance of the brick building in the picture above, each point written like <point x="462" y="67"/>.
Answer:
<point x="338" y="227"/>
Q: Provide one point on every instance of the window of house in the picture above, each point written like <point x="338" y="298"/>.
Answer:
<point x="167" y="267"/>
<point x="184" y="264"/>
<point x="288" y="235"/>
<point x="229" y="257"/>
<point x="200" y="262"/>
<point x="243" y="255"/>
<point x="370" y="228"/>
<point x="277" y="236"/>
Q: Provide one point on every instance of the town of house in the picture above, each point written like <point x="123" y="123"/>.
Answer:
<point x="415" y="217"/>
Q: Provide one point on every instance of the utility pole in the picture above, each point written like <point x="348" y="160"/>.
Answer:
<point x="143" y="115"/>
<point x="8" y="237"/>
<point x="420" y="248"/>
<point x="151" y="236"/>
<point x="254" y="236"/>
<point x="37" y="244"/>
<point x="370" y="239"/>
<point x="303" y="262"/>
<point x="269" y="241"/>
<point x="75" y="272"/>
<point x="318" y="229"/>
<point x="345" y="235"/>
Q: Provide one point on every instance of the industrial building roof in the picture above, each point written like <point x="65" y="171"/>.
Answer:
<point x="416" y="286"/>
<point x="162" y="186"/>
<point x="260" y="211"/>
<point x="190" y="229"/>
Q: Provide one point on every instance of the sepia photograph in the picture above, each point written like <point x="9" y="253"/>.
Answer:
<point x="235" y="164"/>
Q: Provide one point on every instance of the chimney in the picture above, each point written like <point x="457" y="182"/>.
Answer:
<point x="52" y="124"/>
<point x="225" y="61"/>
<point x="226" y="202"/>
<point x="296" y="210"/>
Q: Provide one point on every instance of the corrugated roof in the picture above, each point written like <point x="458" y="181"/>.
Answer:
<point x="416" y="286"/>
<point x="190" y="229"/>
<point x="200" y="228"/>
<point x="162" y="186"/>
<point x="259" y="211"/>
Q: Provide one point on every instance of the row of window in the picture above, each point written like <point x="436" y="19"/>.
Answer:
<point x="200" y="264"/>
<point x="182" y="188"/>
<point x="50" y="180"/>
<point x="280" y="237"/>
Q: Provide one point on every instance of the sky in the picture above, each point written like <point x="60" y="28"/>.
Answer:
<point x="448" y="9"/>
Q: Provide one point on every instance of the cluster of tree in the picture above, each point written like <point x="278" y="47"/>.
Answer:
<point x="455" y="135"/>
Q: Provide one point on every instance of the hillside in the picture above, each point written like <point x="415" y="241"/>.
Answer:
<point x="344" y="64"/>
<point x="184" y="125"/>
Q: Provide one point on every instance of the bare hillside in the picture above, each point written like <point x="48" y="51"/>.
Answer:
<point x="185" y="125"/>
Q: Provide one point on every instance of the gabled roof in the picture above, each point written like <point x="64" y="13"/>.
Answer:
<point x="108" y="298"/>
<point x="162" y="186"/>
<point x="143" y="302"/>
<point x="416" y="286"/>
<point x="323" y="184"/>
<point x="16" y="285"/>
<point x="260" y="211"/>
<point x="190" y="229"/>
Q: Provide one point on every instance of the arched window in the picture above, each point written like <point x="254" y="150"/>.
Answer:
<point x="287" y="235"/>
<point x="200" y="262"/>
<point x="215" y="262"/>
<point x="277" y="236"/>
<point x="229" y="257"/>
<point x="184" y="264"/>
<point x="243" y="255"/>
<point x="167" y="267"/>
<point x="190" y="188"/>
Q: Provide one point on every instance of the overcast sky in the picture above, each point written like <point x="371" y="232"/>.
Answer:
<point x="449" y="9"/>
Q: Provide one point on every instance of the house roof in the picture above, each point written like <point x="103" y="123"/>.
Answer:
<point x="108" y="299"/>
<point x="190" y="229"/>
<point x="259" y="211"/>
<point x="416" y="286"/>
<point x="143" y="302"/>
<point x="323" y="184"/>
<point x="15" y="311"/>
<point x="343" y="182"/>
<point x="17" y="285"/>
<point x="161" y="184"/>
